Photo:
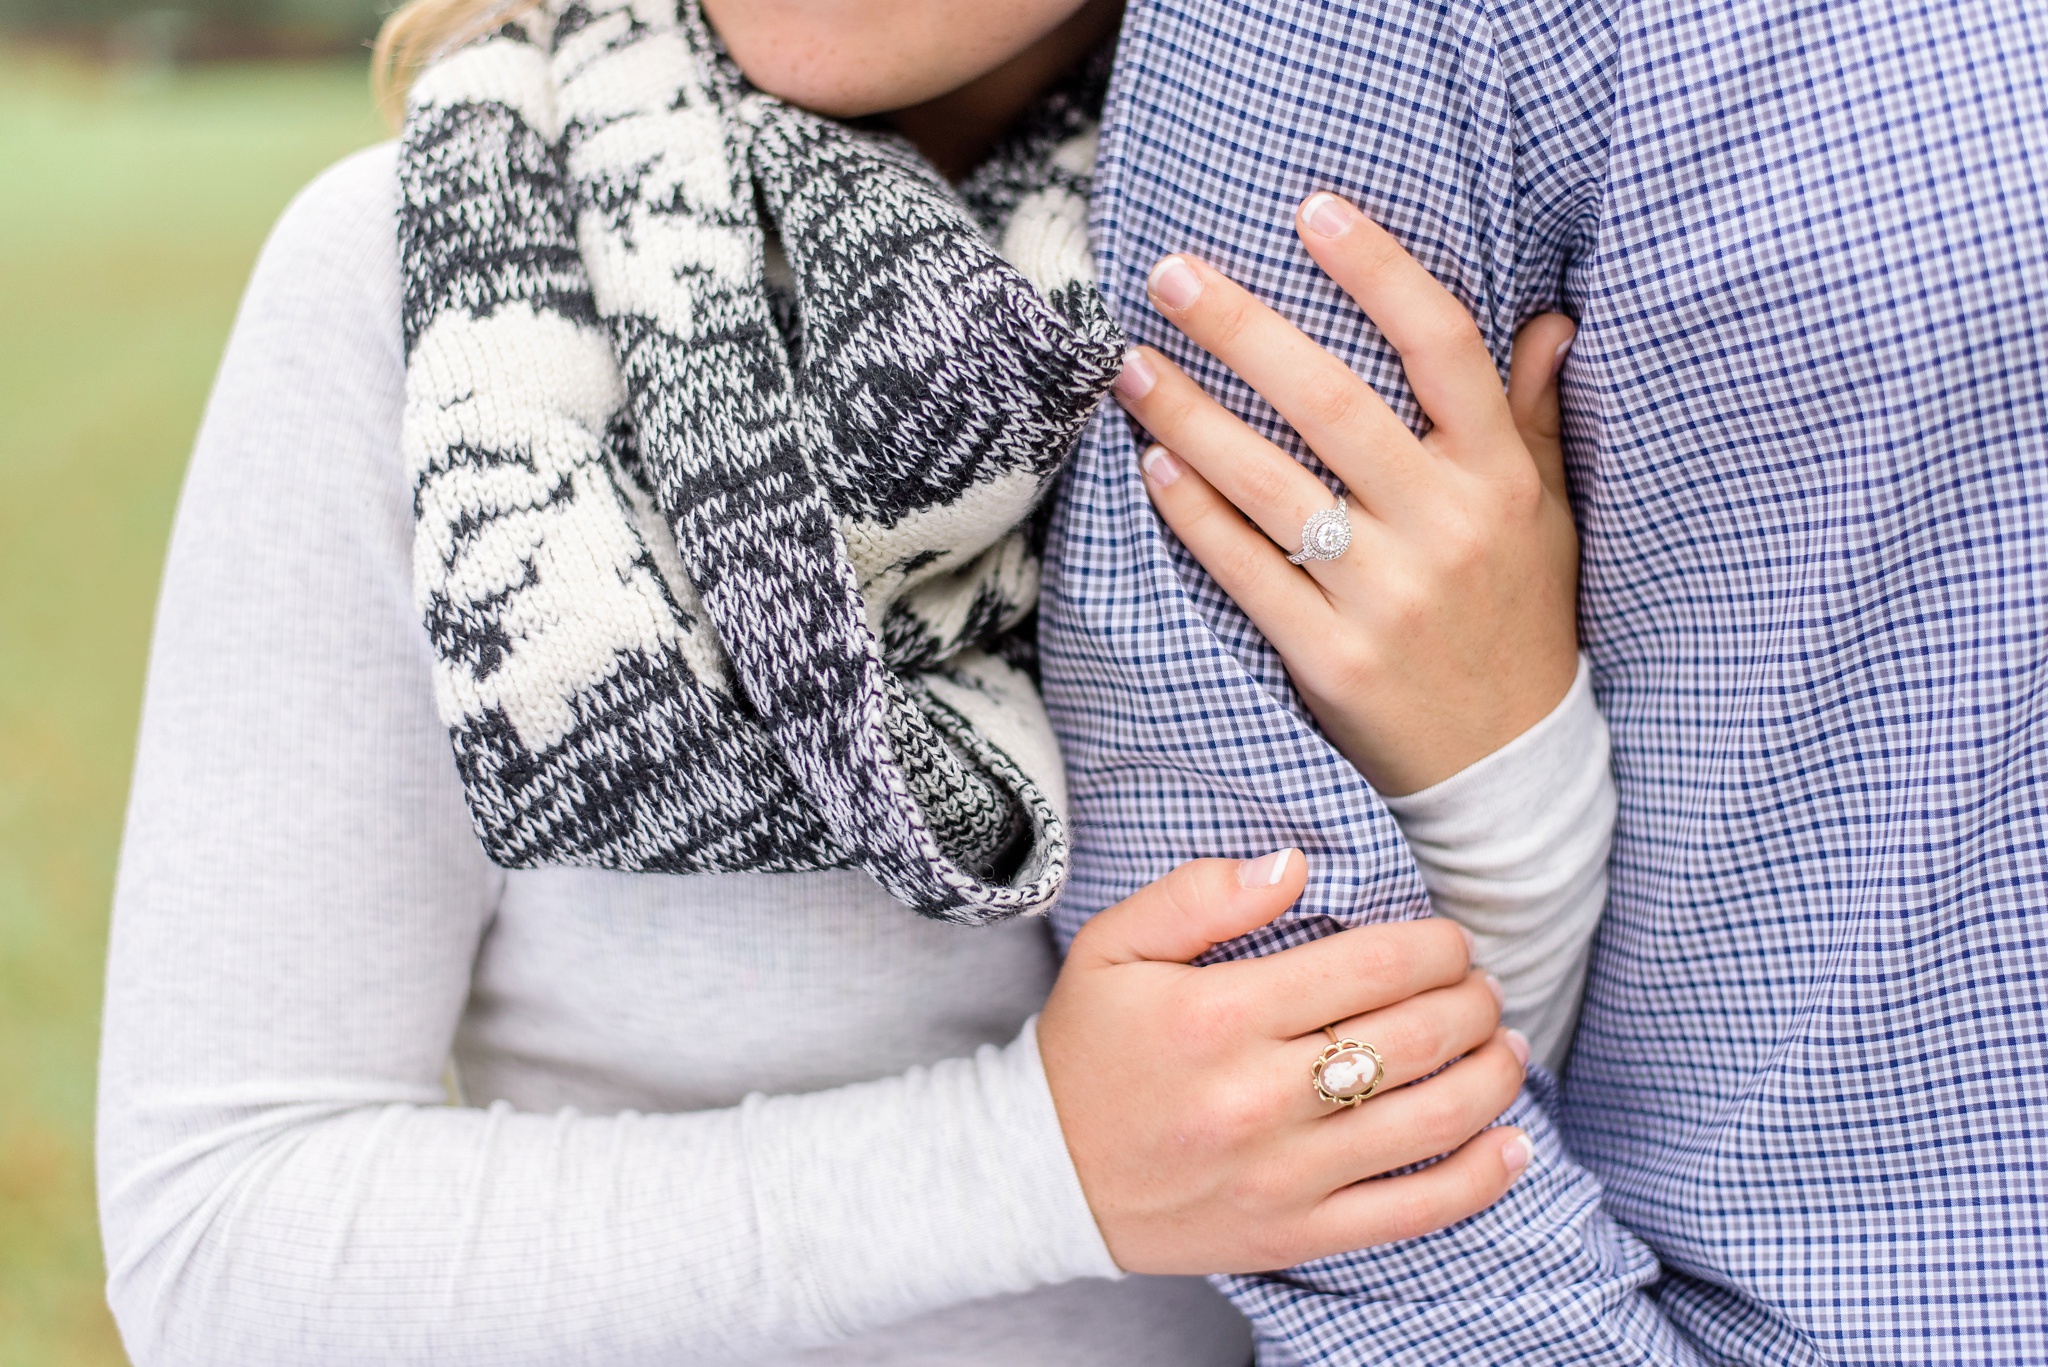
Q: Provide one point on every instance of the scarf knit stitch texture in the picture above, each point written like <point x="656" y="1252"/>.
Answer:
<point x="727" y="425"/>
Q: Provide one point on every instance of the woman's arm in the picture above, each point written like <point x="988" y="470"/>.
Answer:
<point x="299" y="905"/>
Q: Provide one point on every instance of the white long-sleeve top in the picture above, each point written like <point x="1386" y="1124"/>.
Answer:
<point x="720" y="1119"/>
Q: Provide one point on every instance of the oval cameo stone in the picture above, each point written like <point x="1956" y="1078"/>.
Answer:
<point x="1348" y="1072"/>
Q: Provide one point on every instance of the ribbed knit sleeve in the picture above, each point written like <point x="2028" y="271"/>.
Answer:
<point x="300" y="903"/>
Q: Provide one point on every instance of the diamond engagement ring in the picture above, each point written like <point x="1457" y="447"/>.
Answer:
<point x="1325" y="536"/>
<point x="1348" y="1072"/>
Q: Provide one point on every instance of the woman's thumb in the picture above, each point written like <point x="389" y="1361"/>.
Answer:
<point x="1197" y="906"/>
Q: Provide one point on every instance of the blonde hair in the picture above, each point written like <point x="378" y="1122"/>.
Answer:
<point x="420" y="31"/>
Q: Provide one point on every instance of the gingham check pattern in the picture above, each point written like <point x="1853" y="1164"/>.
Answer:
<point x="1807" y="1116"/>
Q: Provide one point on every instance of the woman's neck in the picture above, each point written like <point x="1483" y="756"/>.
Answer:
<point x="956" y="130"/>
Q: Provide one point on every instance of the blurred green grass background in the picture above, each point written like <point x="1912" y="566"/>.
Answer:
<point x="131" y="209"/>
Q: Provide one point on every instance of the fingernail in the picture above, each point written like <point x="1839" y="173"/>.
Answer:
<point x="1159" y="466"/>
<point x="1500" y="998"/>
<point x="1174" y="284"/>
<point x="1328" y="216"/>
<point x="1515" y="1155"/>
<point x="1564" y="349"/>
<point x="1518" y="1045"/>
<point x="1136" y="379"/>
<point x="1471" y="944"/>
<point x="1264" y="871"/>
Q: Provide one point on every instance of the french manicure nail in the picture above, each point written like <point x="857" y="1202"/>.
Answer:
<point x="1264" y="871"/>
<point x="1159" y="466"/>
<point x="1174" y="284"/>
<point x="1564" y="349"/>
<point x="1328" y="216"/>
<point x="1518" y="1045"/>
<point x="1500" y="998"/>
<point x="1516" y="1154"/>
<point x="1136" y="379"/>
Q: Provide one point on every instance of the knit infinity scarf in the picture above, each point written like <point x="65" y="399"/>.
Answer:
<point x="727" y="423"/>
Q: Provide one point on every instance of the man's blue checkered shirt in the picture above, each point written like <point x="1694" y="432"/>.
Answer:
<point x="1806" y="1119"/>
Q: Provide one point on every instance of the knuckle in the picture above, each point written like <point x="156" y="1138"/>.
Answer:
<point x="1462" y="540"/>
<point x="1377" y="959"/>
<point x="1217" y="1022"/>
<point x="1237" y="1113"/>
<point x="1443" y="1119"/>
<point x="1449" y="331"/>
<point x="1503" y="1083"/>
<point x="1379" y="259"/>
<point x="1090" y="931"/>
<point x="1205" y="524"/>
<point x="1260" y="1191"/>
<point x="1355" y="667"/>
<point x="1227" y="321"/>
<point x="1421" y="1039"/>
<point x="1170" y="412"/>
<point x="1328" y="399"/>
<point x="1238" y="564"/>
<point x="1447" y="942"/>
<point x="1086" y="939"/>
<point x="1405" y="606"/>
<point x="1188" y="888"/>
<point x="1411" y="1211"/>
<point x="1261" y="485"/>
<point x="1521" y="490"/>
<point x="1275" y="1244"/>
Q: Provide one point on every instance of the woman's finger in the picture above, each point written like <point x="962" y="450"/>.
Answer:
<point x="1339" y="415"/>
<point x="1420" y="1035"/>
<point x="1353" y="972"/>
<point x="1540" y="348"/>
<point x="1414" y="1038"/>
<point x="1416" y="1203"/>
<point x="1263" y="482"/>
<point x="1283" y="603"/>
<point x="1448" y="365"/>
<point x="1414" y="1124"/>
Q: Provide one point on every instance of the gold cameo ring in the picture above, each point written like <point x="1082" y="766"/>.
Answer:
<point x="1348" y="1072"/>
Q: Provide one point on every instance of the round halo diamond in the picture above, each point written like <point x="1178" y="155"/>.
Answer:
<point x="1325" y="536"/>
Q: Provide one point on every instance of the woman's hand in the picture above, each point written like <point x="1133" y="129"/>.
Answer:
<point x="1185" y="1097"/>
<point x="1449" y="627"/>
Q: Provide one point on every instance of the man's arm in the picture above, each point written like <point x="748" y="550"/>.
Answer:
<point x="1176" y="716"/>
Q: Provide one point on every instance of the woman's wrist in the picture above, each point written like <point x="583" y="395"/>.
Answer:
<point x="925" y="1189"/>
<point x="1072" y="1234"/>
<point x="1467" y="806"/>
<point x="1514" y="847"/>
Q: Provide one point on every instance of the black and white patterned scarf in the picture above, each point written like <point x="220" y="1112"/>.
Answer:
<point x="727" y="424"/>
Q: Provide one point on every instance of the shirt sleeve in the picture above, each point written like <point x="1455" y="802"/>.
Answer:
<point x="1514" y="848"/>
<point x="1543" y="1276"/>
<point x="299" y="902"/>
